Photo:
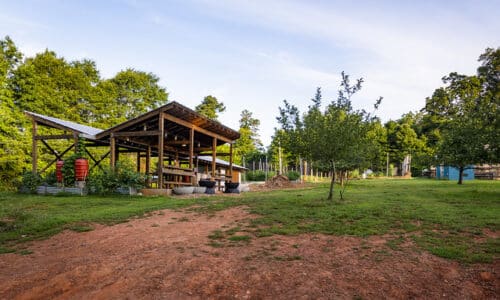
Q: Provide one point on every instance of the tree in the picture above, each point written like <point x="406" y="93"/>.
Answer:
<point x="462" y="145"/>
<point x="249" y="141"/>
<point x="377" y="145"/>
<point x="132" y="93"/>
<point x="49" y="85"/>
<point x="13" y="139"/>
<point x="335" y="137"/>
<point x="71" y="90"/>
<point x="210" y="107"/>
<point x="402" y="140"/>
<point x="466" y="110"/>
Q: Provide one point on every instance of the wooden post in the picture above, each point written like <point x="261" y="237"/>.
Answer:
<point x="75" y="141"/>
<point x="214" y="155"/>
<point x="138" y="162"/>
<point x="191" y="147"/>
<point x="112" y="151"/>
<point x="161" y="138"/>
<point x="148" y="160"/>
<point x="231" y="161"/>
<point x="34" y="148"/>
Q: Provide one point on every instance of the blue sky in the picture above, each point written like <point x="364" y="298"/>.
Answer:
<point x="253" y="54"/>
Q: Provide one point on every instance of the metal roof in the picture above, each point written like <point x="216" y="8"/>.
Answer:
<point x="89" y="131"/>
<point x="220" y="162"/>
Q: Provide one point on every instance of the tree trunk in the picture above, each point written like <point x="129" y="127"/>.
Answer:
<point x="341" y="177"/>
<point x="332" y="183"/>
<point x="460" y="175"/>
<point x="344" y="185"/>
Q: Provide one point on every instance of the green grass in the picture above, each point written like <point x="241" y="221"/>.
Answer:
<point x="30" y="217"/>
<point x="441" y="217"/>
<point x="240" y="238"/>
<point x="445" y="218"/>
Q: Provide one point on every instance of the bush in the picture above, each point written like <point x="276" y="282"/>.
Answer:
<point x="293" y="175"/>
<point x="50" y="179"/>
<point x="30" y="182"/>
<point x="68" y="169"/>
<point x="108" y="181"/>
<point x="103" y="182"/>
<point x="258" y="175"/>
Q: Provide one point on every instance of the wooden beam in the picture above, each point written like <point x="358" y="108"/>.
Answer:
<point x="231" y="161"/>
<point x="136" y="133"/>
<point x="53" y="161"/>
<point x="112" y="151"/>
<point x="54" y="137"/>
<point x="202" y="149"/>
<point x="138" y="162"/>
<point x="75" y="141"/>
<point x="161" y="138"/>
<point x="178" y="142"/>
<point x="196" y="128"/>
<point x="218" y="153"/>
<point x="99" y="161"/>
<point x="214" y="155"/>
<point x="148" y="160"/>
<point x="34" y="148"/>
<point x="191" y="147"/>
<point x="132" y="122"/>
<point x="51" y="150"/>
<point x="93" y="159"/>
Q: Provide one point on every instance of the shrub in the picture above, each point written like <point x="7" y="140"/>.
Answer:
<point x="108" y="181"/>
<point x="30" y="181"/>
<point x="50" y="179"/>
<point x="102" y="182"/>
<point x="293" y="175"/>
<point x="68" y="169"/>
<point x="258" y="175"/>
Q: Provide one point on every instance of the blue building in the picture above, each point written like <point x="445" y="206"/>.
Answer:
<point x="451" y="173"/>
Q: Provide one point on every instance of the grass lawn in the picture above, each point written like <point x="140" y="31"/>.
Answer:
<point x="442" y="217"/>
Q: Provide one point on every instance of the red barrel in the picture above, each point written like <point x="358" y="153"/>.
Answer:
<point x="81" y="169"/>
<point x="59" y="174"/>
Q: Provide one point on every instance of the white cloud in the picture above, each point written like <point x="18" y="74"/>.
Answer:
<point x="401" y="57"/>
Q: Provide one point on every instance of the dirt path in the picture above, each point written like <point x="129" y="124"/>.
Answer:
<point x="168" y="256"/>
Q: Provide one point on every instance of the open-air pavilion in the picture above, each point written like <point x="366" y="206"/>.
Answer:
<point x="173" y="135"/>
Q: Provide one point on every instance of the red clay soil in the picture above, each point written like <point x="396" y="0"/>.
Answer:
<point x="168" y="256"/>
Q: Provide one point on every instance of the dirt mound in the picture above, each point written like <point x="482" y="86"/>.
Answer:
<point x="170" y="256"/>
<point x="278" y="181"/>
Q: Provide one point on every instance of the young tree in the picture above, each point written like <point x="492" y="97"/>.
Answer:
<point x="336" y="137"/>
<point x="210" y="107"/>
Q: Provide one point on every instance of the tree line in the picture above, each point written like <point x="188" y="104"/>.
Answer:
<point x="459" y="126"/>
<point x="75" y="90"/>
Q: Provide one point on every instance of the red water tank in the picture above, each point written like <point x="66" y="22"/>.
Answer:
<point x="59" y="174"/>
<point x="81" y="169"/>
